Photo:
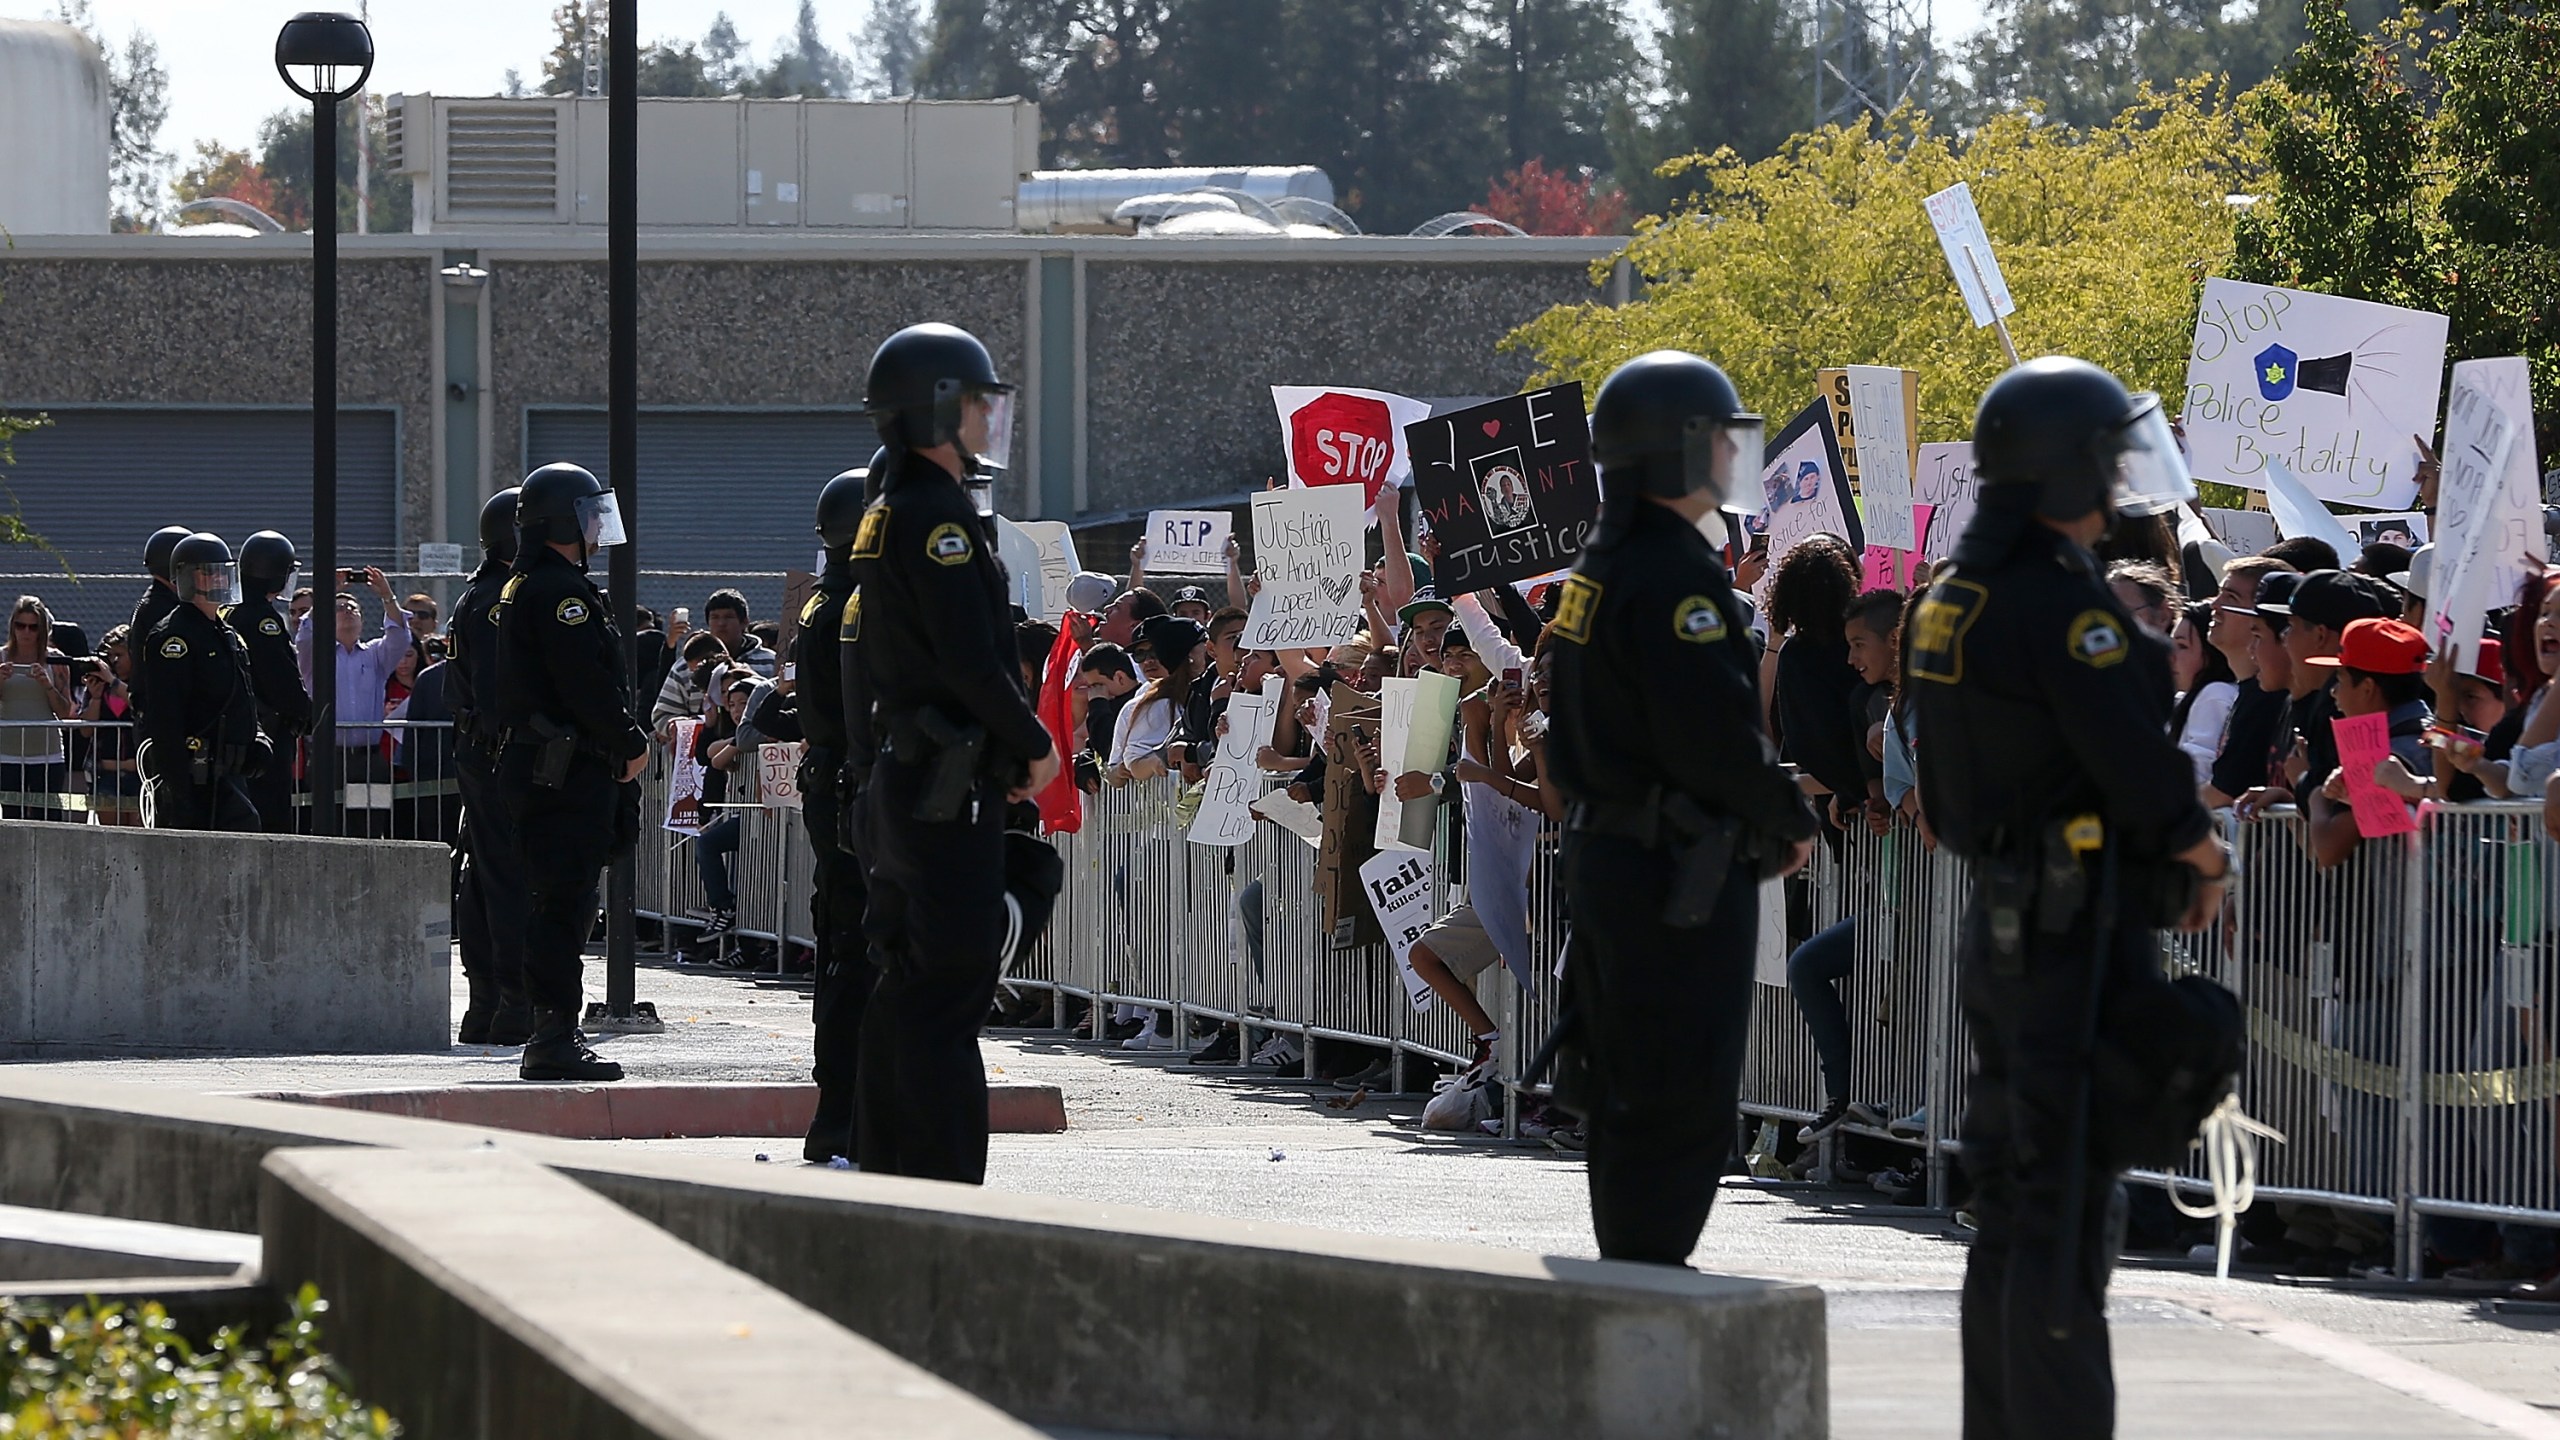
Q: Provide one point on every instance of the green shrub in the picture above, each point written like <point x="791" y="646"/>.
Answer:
<point x="117" y="1374"/>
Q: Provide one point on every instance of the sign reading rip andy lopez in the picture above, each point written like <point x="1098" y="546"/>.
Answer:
<point x="1508" y="487"/>
<point x="2334" y="388"/>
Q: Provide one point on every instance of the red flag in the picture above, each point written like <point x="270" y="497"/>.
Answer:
<point x="1062" y="804"/>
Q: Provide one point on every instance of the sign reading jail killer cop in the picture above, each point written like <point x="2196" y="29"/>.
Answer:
<point x="1306" y="548"/>
<point x="1508" y="487"/>
<point x="2334" y="388"/>
<point x="1344" y="437"/>
<point x="1398" y="884"/>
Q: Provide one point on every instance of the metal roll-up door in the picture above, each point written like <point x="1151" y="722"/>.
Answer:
<point x="727" y="498"/>
<point x="97" y="481"/>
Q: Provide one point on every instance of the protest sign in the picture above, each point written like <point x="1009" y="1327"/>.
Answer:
<point x="1507" y="487"/>
<point x="2298" y="512"/>
<point x="1295" y="816"/>
<point x="1415" y="717"/>
<point x="2489" y="522"/>
<point x="1398" y="884"/>
<point x="1306" y="548"/>
<point x="1875" y="411"/>
<point x="1769" y="963"/>
<point x="684" y="784"/>
<point x="1802" y="485"/>
<point x="2243" y="532"/>
<point x="1349" y="816"/>
<point x="1225" y="817"/>
<point x="778" y="774"/>
<point x="1343" y="437"/>
<point x="2364" y="741"/>
<point x="1968" y="250"/>
<point x="2407" y="529"/>
<point x="1883" y="568"/>
<point x="440" y="558"/>
<point x="1039" y="559"/>
<point x="1188" y="542"/>
<point x="2335" y="388"/>
<point x="1942" y="479"/>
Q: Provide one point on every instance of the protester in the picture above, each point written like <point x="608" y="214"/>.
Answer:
<point x="2240" y="764"/>
<point x="1817" y="705"/>
<point x="115" y="781"/>
<point x="35" y="686"/>
<point x="1106" y="680"/>
<point x="2380" y="668"/>
<point x="2302" y="554"/>
<point x="2207" y="690"/>
<point x="682" y="695"/>
<point x="2147" y="591"/>
<point x="725" y="615"/>
<point x="365" y="669"/>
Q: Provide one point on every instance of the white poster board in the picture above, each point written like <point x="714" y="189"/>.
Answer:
<point x="2488" y="506"/>
<point x="1769" y="959"/>
<point x="684" y="782"/>
<point x="1039" y="559"/>
<point x="1188" y="542"/>
<point x="1415" y="717"/>
<point x="1968" y="251"/>
<point x="778" y="774"/>
<point x="2299" y="512"/>
<point x="1306" y="549"/>
<point x="1225" y="817"/>
<point x="2335" y="388"/>
<point x="440" y="558"/>
<point x="1882" y="432"/>
<point x="1336" y="436"/>
<point x="1398" y="884"/>
<point x="2243" y="532"/>
<point x="1943" y="481"/>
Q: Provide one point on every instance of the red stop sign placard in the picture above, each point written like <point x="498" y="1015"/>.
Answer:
<point x="1338" y="439"/>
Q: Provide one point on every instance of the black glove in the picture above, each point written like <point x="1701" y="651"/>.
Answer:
<point x="261" y="754"/>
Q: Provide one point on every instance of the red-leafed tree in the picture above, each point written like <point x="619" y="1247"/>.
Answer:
<point x="1557" y="202"/>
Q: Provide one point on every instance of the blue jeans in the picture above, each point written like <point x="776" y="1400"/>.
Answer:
<point x="1249" y="910"/>
<point x="711" y="851"/>
<point x="1811" y="971"/>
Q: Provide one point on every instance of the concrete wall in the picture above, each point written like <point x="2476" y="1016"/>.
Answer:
<point x="114" y="938"/>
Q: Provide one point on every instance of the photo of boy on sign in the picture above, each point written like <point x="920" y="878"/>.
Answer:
<point x="1507" y="487"/>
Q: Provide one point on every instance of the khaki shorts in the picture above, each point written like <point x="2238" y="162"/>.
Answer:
<point x="1459" y="940"/>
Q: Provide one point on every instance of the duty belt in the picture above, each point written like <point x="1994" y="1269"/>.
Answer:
<point x="1637" y="820"/>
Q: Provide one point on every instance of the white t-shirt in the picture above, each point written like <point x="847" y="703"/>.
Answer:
<point x="1144" y="728"/>
<point x="2202" y="739"/>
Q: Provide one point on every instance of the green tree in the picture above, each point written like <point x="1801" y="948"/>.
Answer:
<point x="1735" y="75"/>
<point x="1822" y="255"/>
<point x="804" y="65"/>
<point x="1551" y="73"/>
<point x="2498" y="133"/>
<point x="890" y="48"/>
<point x="2085" y="60"/>
<point x="284" y="165"/>
<point x="579" y="37"/>
<point x="970" y="56"/>
<point x="138" y="109"/>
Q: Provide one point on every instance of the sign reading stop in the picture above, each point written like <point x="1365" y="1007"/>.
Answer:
<point x="1339" y="439"/>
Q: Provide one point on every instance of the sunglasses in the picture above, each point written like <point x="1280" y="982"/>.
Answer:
<point x="26" y="625"/>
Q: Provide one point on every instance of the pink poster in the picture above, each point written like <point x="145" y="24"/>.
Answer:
<point x="1891" y="569"/>
<point x="2364" y="741"/>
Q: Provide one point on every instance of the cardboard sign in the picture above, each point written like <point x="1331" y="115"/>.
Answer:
<point x="778" y="774"/>
<point x="1876" y="409"/>
<point x="1225" y="817"/>
<point x="2364" y="741"/>
<point x="2299" y="512"/>
<point x="1039" y="558"/>
<point x="1345" y="437"/>
<point x="1398" y="884"/>
<point x="684" y="782"/>
<point x="1942" y="479"/>
<point x="2335" y="388"/>
<point x="2243" y="532"/>
<point x="1415" y="717"/>
<point x="1804" y="491"/>
<point x="1188" y="542"/>
<point x="2489" y="521"/>
<point x="1306" y="548"/>
<point x="799" y="587"/>
<point x="1507" y="487"/>
<point x="1350" y="816"/>
<point x="1968" y="251"/>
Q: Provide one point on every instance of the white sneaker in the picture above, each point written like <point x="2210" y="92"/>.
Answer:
<point x="1280" y="1050"/>
<point x="1147" y="1039"/>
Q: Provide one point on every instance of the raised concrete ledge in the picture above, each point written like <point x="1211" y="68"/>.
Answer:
<point x="656" y="1112"/>
<point x="481" y="1295"/>
<point x="48" y="1245"/>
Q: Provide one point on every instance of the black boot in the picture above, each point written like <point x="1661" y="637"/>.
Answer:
<point x="831" y="1132"/>
<point x="558" y="1052"/>
<point x="475" y="1015"/>
<point x="511" y="1019"/>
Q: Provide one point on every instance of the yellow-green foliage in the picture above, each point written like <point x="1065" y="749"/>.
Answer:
<point x="1823" y="256"/>
<point x="108" y="1373"/>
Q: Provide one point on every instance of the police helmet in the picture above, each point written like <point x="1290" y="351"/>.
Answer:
<point x="840" y="505"/>
<point x="267" y="563"/>
<point x="155" y="551"/>
<point x="201" y="568"/>
<point x="2072" y="431"/>
<point x="498" y="526"/>
<point x="919" y="388"/>
<point x="565" y="504"/>
<point x="1674" y="426"/>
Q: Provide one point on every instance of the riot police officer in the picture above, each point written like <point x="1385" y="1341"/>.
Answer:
<point x="571" y="752"/>
<point x="2045" y="760"/>
<point x="267" y="566"/>
<point x="489" y="899"/>
<point x="934" y="645"/>
<point x="158" y="599"/>
<point x="1678" y="807"/>
<point x="200" y="736"/>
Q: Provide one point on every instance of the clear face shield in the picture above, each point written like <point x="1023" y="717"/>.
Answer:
<point x="218" y="582"/>
<point x="600" y="522"/>
<point x="1724" y="461"/>
<point x="2149" y="473"/>
<point x="986" y="437"/>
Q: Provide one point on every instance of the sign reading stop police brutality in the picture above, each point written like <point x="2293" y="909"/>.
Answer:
<point x="1306" y="549"/>
<point x="1342" y="437"/>
<point x="1508" y="487"/>
<point x="2334" y="388"/>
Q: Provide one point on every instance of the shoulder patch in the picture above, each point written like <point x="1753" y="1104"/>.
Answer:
<point x="271" y="626"/>
<point x="1575" y="605"/>
<point x="508" y="591"/>
<point x="2096" y="639"/>
<point x="873" y="534"/>
<point x="1938" y="630"/>
<point x="572" y="611"/>
<point x="810" y="612"/>
<point x="948" y="545"/>
<point x="849" y="625"/>
<point x="173" y="648"/>
<point x="1699" y="620"/>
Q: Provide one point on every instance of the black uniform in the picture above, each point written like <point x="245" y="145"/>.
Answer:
<point x="200" y="735"/>
<point x="148" y="612"/>
<point x="1656" y="737"/>
<point x="284" y="706"/>
<point x="2045" y="760"/>
<point x="935" y="647"/>
<point x="560" y="674"/>
<point x="490" y="924"/>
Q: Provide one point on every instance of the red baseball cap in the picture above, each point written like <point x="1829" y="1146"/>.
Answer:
<point x="2492" y="666"/>
<point x="2378" y="647"/>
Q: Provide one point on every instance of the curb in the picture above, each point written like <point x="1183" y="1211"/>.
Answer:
<point x="655" y="1112"/>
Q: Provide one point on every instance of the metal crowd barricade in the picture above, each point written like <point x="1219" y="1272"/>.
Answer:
<point x="74" y="771"/>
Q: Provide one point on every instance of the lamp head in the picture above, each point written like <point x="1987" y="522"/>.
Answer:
<point x="317" y="50"/>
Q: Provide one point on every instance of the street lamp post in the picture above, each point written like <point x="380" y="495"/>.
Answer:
<point x="324" y="58"/>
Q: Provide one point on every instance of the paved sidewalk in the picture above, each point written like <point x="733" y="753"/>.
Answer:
<point x="2193" y="1357"/>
